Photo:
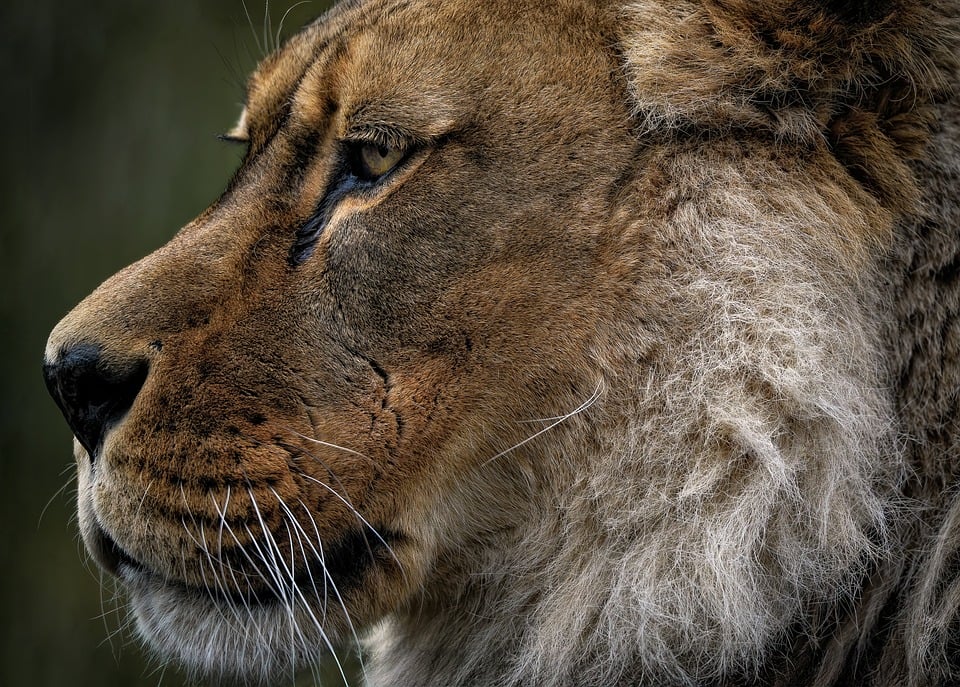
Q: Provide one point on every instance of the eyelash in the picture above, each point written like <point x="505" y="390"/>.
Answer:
<point x="235" y="140"/>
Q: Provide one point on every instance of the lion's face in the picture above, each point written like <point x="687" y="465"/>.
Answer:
<point x="277" y="410"/>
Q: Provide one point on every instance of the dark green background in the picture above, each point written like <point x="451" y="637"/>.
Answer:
<point x="109" y="115"/>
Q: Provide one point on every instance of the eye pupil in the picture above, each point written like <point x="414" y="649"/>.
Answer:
<point x="370" y="161"/>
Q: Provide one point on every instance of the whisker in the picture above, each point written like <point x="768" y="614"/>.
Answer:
<point x="229" y="568"/>
<point x="243" y="550"/>
<point x="218" y="571"/>
<point x="255" y="567"/>
<point x="217" y="567"/>
<point x="104" y="614"/>
<point x="290" y="600"/>
<point x="323" y="635"/>
<point x="266" y="25"/>
<point x="299" y="528"/>
<point x="295" y="590"/>
<point x="328" y="578"/>
<point x="329" y="445"/>
<point x="276" y="41"/>
<point x="271" y="577"/>
<point x="143" y="499"/>
<point x="361" y="518"/>
<point x="256" y="38"/>
<point x="319" y="554"/>
<point x="162" y="669"/>
<point x="57" y="493"/>
<point x="334" y="492"/>
<point x="598" y="392"/>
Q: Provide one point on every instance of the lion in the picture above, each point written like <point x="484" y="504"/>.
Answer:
<point x="590" y="342"/>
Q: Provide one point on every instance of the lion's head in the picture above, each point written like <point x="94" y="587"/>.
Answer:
<point x="537" y="343"/>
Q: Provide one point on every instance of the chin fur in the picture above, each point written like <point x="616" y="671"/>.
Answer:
<point x="227" y="641"/>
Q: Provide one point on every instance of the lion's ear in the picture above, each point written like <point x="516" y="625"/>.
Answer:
<point x="852" y="12"/>
<point x="825" y="25"/>
<point x="787" y="66"/>
<point x="858" y="11"/>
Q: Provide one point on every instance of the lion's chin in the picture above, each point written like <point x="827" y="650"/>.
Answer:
<point x="225" y="639"/>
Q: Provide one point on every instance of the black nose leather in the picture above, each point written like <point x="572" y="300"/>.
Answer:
<point x="92" y="394"/>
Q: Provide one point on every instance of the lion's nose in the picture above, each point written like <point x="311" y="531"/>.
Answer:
<point x="92" y="393"/>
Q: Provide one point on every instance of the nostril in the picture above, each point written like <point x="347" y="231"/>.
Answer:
<point x="91" y="393"/>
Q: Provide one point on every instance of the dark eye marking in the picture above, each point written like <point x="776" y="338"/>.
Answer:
<point x="361" y="167"/>
<point x="307" y="235"/>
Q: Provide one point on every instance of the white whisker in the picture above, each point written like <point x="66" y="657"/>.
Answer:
<point x="228" y="568"/>
<point x="284" y="18"/>
<point x="256" y="38"/>
<point x="269" y="562"/>
<point x="329" y="445"/>
<point x="296" y="592"/>
<point x="202" y="547"/>
<point x="359" y="517"/>
<point x="143" y="499"/>
<point x="594" y="397"/>
<point x="299" y="528"/>
<point x="266" y="25"/>
<point x="57" y="493"/>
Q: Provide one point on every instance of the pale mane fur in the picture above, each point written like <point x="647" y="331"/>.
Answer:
<point x="752" y="475"/>
<point x="745" y="476"/>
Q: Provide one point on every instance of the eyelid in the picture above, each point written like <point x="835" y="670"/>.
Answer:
<point x="382" y="134"/>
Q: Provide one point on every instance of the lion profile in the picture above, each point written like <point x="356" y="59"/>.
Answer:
<point x="588" y="342"/>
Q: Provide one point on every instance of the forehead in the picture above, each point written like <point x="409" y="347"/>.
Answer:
<point x="437" y="56"/>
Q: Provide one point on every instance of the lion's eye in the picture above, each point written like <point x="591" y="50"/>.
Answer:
<point x="370" y="162"/>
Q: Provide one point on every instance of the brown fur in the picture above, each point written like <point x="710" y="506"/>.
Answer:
<point x="641" y="369"/>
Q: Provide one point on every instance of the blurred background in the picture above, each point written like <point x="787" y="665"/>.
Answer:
<point x="109" y="116"/>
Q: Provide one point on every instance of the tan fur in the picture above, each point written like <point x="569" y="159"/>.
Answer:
<point x="642" y="369"/>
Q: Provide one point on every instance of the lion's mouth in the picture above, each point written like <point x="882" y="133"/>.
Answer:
<point x="333" y="569"/>
<point x="109" y="555"/>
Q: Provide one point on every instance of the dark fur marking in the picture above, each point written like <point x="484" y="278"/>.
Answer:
<point x="307" y="235"/>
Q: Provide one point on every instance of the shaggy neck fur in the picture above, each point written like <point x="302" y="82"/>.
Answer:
<point x="746" y="484"/>
<point x="736" y="481"/>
